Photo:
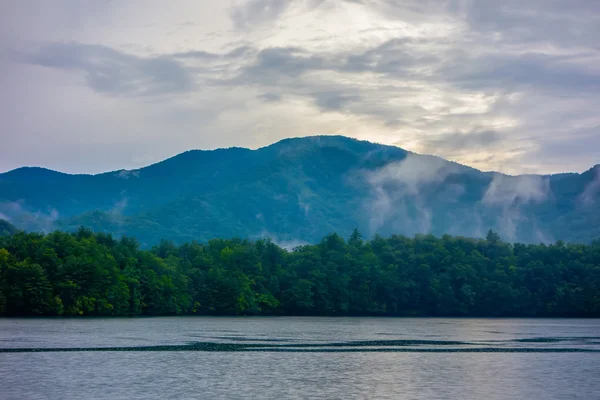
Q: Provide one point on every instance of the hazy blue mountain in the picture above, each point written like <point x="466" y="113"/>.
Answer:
<point x="299" y="190"/>
<point x="6" y="228"/>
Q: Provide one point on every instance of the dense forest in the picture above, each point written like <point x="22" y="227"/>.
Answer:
<point x="84" y="273"/>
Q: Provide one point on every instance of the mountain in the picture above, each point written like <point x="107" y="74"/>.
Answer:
<point x="298" y="190"/>
<point x="6" y="228"/>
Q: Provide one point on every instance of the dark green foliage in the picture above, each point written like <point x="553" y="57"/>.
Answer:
<point x="83" y="273"/>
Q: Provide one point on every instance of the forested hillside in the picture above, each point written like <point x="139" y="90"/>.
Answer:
<point x="299" y="190"/>
<point x="83" y="273"/>
<point x="6" y="228"/>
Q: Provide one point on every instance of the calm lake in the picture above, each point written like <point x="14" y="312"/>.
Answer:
<point x="297" y="358"/>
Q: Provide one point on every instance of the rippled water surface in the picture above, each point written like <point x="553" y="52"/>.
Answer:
<point x="277" y="358"/>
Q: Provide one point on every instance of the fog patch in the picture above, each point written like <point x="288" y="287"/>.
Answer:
<point x="19" y="215"/>
<point x="397" y="192"/>
<point x="516" y="190"/>
<point x="287" y="244"/>
<point x="511" y="194"/>
<point x="115" y="214"/>
<point x="303" y="206"/>
<point x="543" y="237"/>
<point x="280" y="197"/>
<point x="478" y="229"/>
<point x="126" y="174"/>
<point x="592" y="190"/>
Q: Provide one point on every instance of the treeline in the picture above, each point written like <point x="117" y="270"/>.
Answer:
<point x="84" y="273"/>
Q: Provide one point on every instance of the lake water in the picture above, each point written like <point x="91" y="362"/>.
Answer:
<point x="299" y="358"/>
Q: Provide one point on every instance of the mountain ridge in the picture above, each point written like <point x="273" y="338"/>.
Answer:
<point x="280" y="142"/>
<point x="300" y="189"/>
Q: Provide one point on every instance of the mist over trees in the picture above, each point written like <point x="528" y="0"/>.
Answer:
<point x="83" y="273"/>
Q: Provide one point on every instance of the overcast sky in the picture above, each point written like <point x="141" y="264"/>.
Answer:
<point x="91" y="86"/>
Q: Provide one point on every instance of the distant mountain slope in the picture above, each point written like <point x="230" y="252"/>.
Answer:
<point x="6" y="228"/>
<point x="298" y="190"/>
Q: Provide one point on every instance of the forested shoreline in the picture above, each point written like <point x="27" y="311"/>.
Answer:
<point x="83" y="273"/>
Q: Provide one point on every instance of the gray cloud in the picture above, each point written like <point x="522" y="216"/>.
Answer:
<point x="331" y="100"/>
<point x="257" y="12"/>
<point x="253" y="14"/>
<point x="561" y="147"/>
<point x="516" y="81"/>
<point x="402" y="68"/>
<point x="411" y="61"/>
<point x="568" y="23"/>
<point x="270" y="97"/>
<point x="516" y="72"/>
<point x="393" y="57"/>
<point x="240" y="51"/>
<point x="462" y="141"/>
<point x="296" y="71"/>
<point x="200" y="54"/>
<point x="112" y="72"/>
<point x="274" y="64"/>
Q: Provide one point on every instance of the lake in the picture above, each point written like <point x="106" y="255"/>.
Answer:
<point x="299" y="358"/>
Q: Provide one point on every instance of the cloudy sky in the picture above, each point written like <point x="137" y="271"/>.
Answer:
<point x="91" y="86"/>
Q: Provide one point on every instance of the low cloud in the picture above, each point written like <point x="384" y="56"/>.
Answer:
<point x="287" y="244"/>
<point x="511" y="194"/>
<point x="412" y="173"/>
<point x="512" y="191"/>
<point x="398" y="193"/>
<point x="17" y="213"/>
<point x="116" y="213"/>
<point x="591" y="193"/>
<point x="304" y="206"/>
<point x="126" y="174"/>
